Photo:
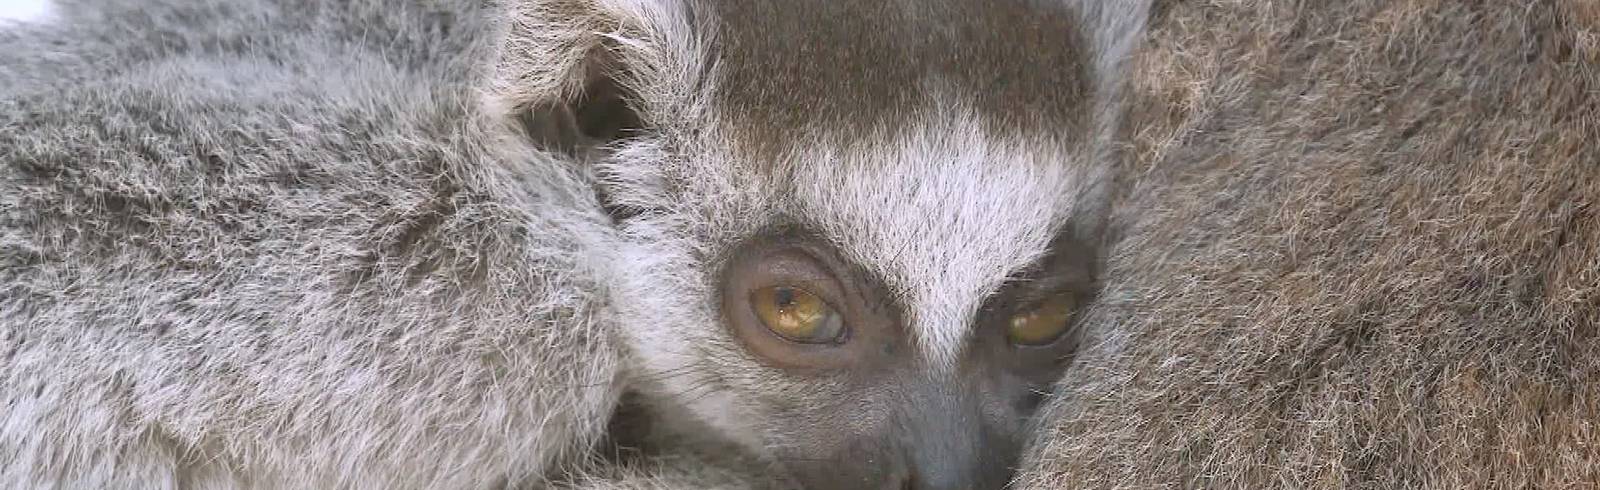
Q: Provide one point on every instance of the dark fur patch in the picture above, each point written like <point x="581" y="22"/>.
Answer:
<point x="858" y="67"/>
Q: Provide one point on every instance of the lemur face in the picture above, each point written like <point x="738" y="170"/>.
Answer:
<point x="852" y="230"/>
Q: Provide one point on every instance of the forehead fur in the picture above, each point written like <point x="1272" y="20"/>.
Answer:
<point x="854" y="67"/>
<point x="924" y="138"/>
<point x="956" y="187"/>
<point x="943" y="213"/>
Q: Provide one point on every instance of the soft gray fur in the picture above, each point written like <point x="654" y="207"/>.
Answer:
<point x="281" y="245"/>
<point x="309" y="244"/>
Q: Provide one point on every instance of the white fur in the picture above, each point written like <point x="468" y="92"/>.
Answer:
<point x="28" y="11"/>
<point x="943" y="213"/>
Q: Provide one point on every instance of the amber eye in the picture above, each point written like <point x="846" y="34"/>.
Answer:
<point x="797" y="314"/>
<point x="1043" y="324"/>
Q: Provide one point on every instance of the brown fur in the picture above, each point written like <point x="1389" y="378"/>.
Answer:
<point x="863" y="66"/>
<point x="1360" y="250"/>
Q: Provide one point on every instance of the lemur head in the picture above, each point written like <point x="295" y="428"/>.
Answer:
<point x="854" y="234"/>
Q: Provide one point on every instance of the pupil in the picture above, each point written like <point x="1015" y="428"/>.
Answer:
<point x="784" y="296"/>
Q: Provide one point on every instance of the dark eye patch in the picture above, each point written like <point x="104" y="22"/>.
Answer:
<point x="1067" y="269"/>
<point x="790" y="265"/>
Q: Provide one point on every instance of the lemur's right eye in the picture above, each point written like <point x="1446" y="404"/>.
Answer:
<point x="792" y="303"/>
<point x="797" y="315"/>
<point x="1043" y="324"/>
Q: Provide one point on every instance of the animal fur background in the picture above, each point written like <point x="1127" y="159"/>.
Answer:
<point x="280" y="245"/>
<point x="1361" y="249"/>
<point x="1358" y="248"/>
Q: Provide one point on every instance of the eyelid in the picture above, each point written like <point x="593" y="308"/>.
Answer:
<point x="788" y="265"/>
<point x="797" y="266"/>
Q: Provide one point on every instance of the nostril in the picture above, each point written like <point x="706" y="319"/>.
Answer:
<point x="1030" y="401"/>
<point x="900" y="479"/>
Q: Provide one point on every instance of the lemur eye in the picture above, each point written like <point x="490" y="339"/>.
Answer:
<point x="797" y="314"/>
<point x="1043" y="324"/>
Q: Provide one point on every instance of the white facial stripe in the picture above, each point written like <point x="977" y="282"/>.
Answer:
<point x="670" y="337"/>
<point x="943" y="215"/>
<point x="25" y="11"/>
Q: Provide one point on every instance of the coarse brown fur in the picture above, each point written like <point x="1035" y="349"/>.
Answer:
<point x="1360" y="250"/>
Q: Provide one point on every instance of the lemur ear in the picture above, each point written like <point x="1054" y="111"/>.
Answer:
<point x="561" y="75"/>
<point x="600" y="112"/>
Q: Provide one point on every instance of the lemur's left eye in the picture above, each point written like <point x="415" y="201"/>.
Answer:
<point x="1044" y="323"/>
<point x="796" y="314"/>
<point x="786" y="300"/>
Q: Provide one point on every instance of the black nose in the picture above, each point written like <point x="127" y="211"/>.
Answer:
<point x="950" y="477"/>
<point x="938" y="479"/>
<point x="936" y="453"/>
<point x="936" y="436"/>
<point x="948" y="446"/>
<point x="942" y="479"/>
<point x="979" y="473"/>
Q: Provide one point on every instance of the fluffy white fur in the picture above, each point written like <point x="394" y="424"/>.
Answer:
<point x="31" y="11"/>
<point x="944" y="213"/>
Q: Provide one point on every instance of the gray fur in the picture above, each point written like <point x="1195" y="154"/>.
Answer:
<point x="288" y="243"/>
<point x="286" y="250"/>
<point x="1359" y="251"/>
